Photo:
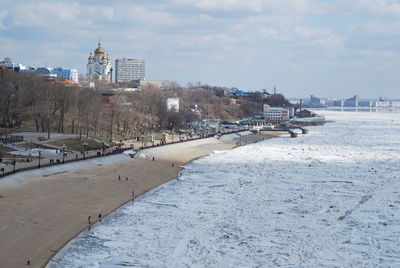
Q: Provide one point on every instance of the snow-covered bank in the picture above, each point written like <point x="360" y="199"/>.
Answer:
<point x="330" y="198"/>
<point x="37" y="173"/>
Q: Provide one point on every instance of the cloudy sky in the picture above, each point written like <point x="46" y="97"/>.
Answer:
<point x="323" y="47"/>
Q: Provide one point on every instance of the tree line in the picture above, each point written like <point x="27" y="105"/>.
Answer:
<point x="29" y="102"/>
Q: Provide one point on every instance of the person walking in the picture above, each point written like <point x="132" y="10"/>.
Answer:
<point x="89" y="220"/>
<point x="100" y="217"/>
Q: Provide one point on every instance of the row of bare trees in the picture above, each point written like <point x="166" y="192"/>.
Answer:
<point x="26" y="101"/>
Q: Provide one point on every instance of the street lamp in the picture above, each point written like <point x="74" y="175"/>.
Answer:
<point x="84" y="144"/>
<point x="1" y="155"/>
<point x="63" y="151"/>
<point x="40" y="154"/>
<point x="14" y="162"/>
<point x="102" y="147"/>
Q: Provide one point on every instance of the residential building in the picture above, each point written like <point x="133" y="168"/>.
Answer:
<point x="275" y="114"/>
<point x="160" y="84"/>
<point x="351" y="102"/>
<point x="66" y="74"/>
<point x="338" y="103"/>
<point x="46" y="72"/>
<point x="127" y="70"/>
<point x="7" y="62"/>
<point x="99" y="66"/>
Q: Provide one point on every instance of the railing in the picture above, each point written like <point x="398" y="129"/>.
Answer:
<point x="114" y="152"/>
<point x="11" y="139"/>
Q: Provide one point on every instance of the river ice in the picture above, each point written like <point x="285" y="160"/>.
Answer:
<point x="330" y="198"/>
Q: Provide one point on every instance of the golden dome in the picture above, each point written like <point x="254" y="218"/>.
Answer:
<point x="104" y="58"/>
<point x="99" y="50"/>
<point x="91" y="57"/>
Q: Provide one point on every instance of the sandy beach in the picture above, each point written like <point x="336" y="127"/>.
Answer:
<point x="40" y="215"/>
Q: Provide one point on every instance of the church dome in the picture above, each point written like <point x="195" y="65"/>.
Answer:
<point x="104" y="57"/>
<point x="91" y="57"/>
<point x="99" y="50"/>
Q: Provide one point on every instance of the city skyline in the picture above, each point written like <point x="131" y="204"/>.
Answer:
<point x="326" y="48"/>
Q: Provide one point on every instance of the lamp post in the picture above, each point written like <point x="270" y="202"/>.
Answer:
<point x="14" y="162"/>
<point x="63" y="152"/>
<point x="84" y="144"/>
<point x="40" y="154"/>
<point x="1" y="150"/>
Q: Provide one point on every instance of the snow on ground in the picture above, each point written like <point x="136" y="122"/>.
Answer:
<point x="327" y="199"/>
<point x="39" y="173"/>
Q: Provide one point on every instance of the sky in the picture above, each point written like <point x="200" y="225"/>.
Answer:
<point x="329" y="48"/>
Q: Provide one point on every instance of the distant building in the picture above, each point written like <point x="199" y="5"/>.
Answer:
<point x="87" y="84"/>
<point x="365" y="103"/>
<point x="173" y="104"/>
<point x="305" y="113"/>
<point x="275" y="114"/>
<point x="351" y="102"/>
<point x="45" y="72"/>
<point x="66" y="74"/>
<point x="58" y="74"/>
<point x="127" y="70"/>
<point x="316" y="102"/>
<point x="8" y="62"/>
<point x="160" y="84"/>
<point x="99" y="66"/>
<point x="338" y="103"/>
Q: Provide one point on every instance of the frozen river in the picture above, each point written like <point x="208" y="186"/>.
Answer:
<point x="327" y="199"/>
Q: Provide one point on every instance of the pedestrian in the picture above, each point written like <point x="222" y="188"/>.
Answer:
<point x="133" y="193"/>
<point x="100" y="217"/>
<point x="153" y="158"/>
<point x="119" y="177"/>
<point x="173" y="165"/>
<point x="126" y="178"/>
<point x="90" y="220"/>
<point x="28" y="262"/>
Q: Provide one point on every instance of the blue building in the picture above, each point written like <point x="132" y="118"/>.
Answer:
<point x="66" y="74"/>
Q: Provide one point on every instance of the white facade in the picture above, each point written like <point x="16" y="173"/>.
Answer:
<point x="160" y="84"/>
<point x="66" y="74"/>
<point x="127" y="70"/>
<point x="99" y="66"/>
<point x="7" y="62"/>
<point x="275" y="114"/>
<point x="173" y="104"/>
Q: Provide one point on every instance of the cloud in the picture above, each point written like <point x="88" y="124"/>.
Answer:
<point x="378" y="7"/>
<point x="268" y="37"/>
<point x="273" y="34"/>
<point x="255" y="6"/>
<point x="46" y="14"/>
<point x="318" y="37"/>
<point x="202" y="42"/>
<point x="3" y="15"/>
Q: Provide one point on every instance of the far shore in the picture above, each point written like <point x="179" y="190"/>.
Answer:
<point x="39" y="216"/>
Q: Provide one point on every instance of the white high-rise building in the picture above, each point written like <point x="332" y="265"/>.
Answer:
<point x="127" y="70"/>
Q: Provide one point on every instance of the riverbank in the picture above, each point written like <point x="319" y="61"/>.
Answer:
<point x="40" y="215"/>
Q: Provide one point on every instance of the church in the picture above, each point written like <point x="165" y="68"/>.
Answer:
<point x="99" y="66"/>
